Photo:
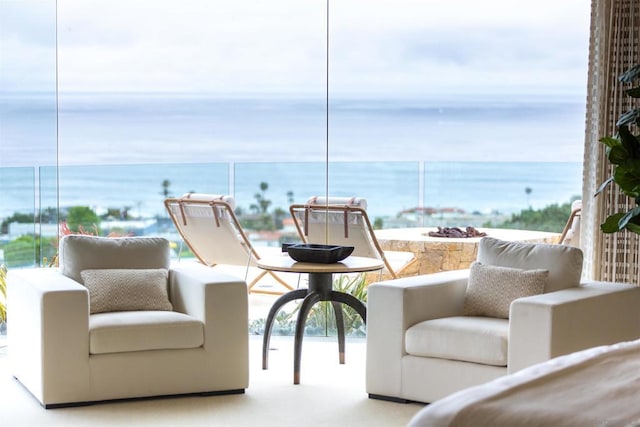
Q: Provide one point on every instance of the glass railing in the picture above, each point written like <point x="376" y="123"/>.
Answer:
<point x="19" y="216"/>
<point x="128" y="199"/>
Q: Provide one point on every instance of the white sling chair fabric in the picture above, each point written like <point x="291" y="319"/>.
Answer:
<point x="208" y="225"/>
<point x="344" y="221"/>
<point x="571" y="232"/>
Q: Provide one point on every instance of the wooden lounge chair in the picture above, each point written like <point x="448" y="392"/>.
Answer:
<point x="344" y="221"/>
<point x="571" y="232"/>
<point x="212" y="231"/>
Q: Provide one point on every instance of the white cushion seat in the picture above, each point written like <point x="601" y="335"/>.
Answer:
<point x="519" y="304"/>
<point x="465" y="338"/>
<point x="125" y="331"/>
<point x="119" y="320"/>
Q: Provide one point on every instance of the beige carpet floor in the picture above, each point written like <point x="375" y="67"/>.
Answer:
<point x="330" y="394"/>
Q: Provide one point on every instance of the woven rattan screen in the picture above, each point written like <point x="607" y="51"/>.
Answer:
<point x="614" y="48"/>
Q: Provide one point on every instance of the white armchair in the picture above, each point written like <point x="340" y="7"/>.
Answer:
<point x="423" y="344"/>
<point x="117" y="321"/>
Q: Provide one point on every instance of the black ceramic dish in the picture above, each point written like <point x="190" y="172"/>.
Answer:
<point x="323" y="254"/>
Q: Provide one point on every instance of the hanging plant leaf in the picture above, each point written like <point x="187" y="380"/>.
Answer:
<point x="628" y="117"/>
<point x="603" y="186"/>
<point x="630" y="142"/>
<point x="630" y="75"/>
<point x="633" y="227"/>
<point x="634" y="93"/>
<point x="617" y="155"/>
<point x="628" y="178"/>
<point x="623" y="151"/>
<point x="626" y="219"/>
<point x="610" y="141"/>
<point x="610" y="225"/>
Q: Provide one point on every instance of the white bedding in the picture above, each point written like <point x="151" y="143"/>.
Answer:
<point x="594" y="387"/>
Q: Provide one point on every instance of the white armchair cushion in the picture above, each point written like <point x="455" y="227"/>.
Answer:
<point x="128" y="331"/>
<point x="491" y="289"/>
<point x="127" y="289"/>
<point x="563" y="262"/>
<point x="470" y="339"/>
<point x="79" y="252"/>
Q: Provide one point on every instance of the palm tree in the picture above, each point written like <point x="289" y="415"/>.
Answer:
<point x="528" y="191"/>
<point x="165" y="188"/>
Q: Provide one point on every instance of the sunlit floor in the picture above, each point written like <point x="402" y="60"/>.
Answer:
<point x="329" y="394"/>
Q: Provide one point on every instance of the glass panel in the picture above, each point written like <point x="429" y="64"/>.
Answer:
<point x="480" y="112"/>
<point x="49" y="215"/>
<point x="488" y="193"/>
<point x="27" y="123"/>
<point x="195" y="82"/>
<point x="267" y="190"/>
<point x="388" y="187"/>
<point x="230" y="82"/>
<point x="490" y="101"/>
<point x="128" y="199"/>
<point x="17" y="207"/>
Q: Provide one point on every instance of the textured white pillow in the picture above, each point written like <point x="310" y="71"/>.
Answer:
<point x="127" y="289"/>
<point x="491" y="289"/>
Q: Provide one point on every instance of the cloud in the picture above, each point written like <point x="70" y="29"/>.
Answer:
<point x="385" y="46"/>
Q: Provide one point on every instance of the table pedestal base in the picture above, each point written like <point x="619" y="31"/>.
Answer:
<point x="320" y="289"/>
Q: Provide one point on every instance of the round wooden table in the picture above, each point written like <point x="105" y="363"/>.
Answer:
<point x="320" y="289"/>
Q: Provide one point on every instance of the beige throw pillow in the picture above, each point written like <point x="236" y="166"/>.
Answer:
<point x="127" y="290"/>
<point x="491" y="289"/>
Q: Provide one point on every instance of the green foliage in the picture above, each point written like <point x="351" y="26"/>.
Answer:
<point x="356" y="286"/>
<point x="46" y="249"/>
<point x="257" y="222"/>
<point x="3" y="293"/>
<point x="260" y="217"/>
<point x="27" y="250"/>
<point x="16" y="217"/>
<point x="166" y="188"/>
<point x="623" y="151"/>
<point x="321" y="319"/>
<point x="551" y="218"/>
<point x="82" y="218"/>
<point x="378" y="223"/>
<point x="262" y="203"/>
<point x="21" y="251"/>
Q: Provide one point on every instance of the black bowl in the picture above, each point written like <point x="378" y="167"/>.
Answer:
<point x="322" y="254"/>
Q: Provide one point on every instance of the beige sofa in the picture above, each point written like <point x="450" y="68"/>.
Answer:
<point x="421" y="346"/>
<point x="65" y="353"/>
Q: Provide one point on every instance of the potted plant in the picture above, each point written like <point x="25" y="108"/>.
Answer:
<point x="623" y="151"/>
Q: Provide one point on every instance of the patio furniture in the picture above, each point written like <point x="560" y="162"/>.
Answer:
<point x="320" y="289"/>
<point x="571" y="232"/>
<point x="344" y="221"/>
<point x="209" y="226"/>
<point x="117" y="321"/>
<point x="521" y="303"/>
<point x="436" y="254"/>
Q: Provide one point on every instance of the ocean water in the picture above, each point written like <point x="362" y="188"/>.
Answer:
<point x="114" y="151"/>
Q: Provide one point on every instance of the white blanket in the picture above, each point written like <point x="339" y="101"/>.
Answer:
<point x="595" y="387"/>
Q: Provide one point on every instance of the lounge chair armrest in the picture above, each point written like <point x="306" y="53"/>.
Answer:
<point x="549" y="325"/>
<point x="220" y="301"/>
<point x="395" y="305"/>
<point x="48" y="330"/>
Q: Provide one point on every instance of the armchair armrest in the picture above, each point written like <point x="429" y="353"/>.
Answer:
<point x="595" y="313"/>
<point x="394" y="306"/>
<point x="220" y="301"/>
<point x="48" y="332"/>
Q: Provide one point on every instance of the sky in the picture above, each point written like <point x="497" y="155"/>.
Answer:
<point x="376" y="47"/>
